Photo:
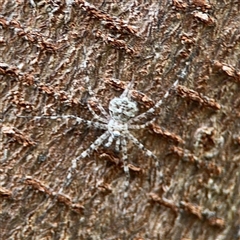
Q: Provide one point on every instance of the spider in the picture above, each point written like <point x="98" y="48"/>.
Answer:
<point x="121" y="118"/>
<point x="117" y="122"/>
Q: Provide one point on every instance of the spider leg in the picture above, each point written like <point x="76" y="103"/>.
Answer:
<point x="78" y="119"/>
<point x="101" y="108"/>
<point x="103" y="111"/>
<point x="141" y="146"/>
<point x="92" y="147"/>
<point x="110" y="141"/>
<point x="157" y="105"/>
<point x="125" y="164"/>
<point x="148" y="153"/>
<point x="118" y="143"/>
<point x="97" y="117"/>
<point x="141" y="126"/>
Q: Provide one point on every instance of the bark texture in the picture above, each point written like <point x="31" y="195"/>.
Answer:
<point x="49" y="49"/>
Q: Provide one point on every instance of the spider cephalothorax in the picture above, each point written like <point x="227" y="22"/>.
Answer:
<point x="122" y="109"/>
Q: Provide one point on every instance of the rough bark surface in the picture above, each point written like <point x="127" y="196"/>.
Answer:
<point x="48" y="48"/>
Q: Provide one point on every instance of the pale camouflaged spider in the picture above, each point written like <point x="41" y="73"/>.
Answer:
<point x="121" y="118"/>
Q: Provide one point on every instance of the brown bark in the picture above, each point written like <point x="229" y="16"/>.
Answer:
<point x="48" y="48"/>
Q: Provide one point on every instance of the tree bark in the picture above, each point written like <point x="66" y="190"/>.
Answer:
<point x="61" y="57"/>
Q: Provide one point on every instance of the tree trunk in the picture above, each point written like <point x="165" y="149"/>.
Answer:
<point x="69" y="58"/>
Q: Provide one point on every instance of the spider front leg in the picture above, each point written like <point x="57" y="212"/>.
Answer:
<point x="90" y="91"/>
<point x="154" y="108"/>
<point x="100" y="107"/>
<point x="97" y="117"/>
